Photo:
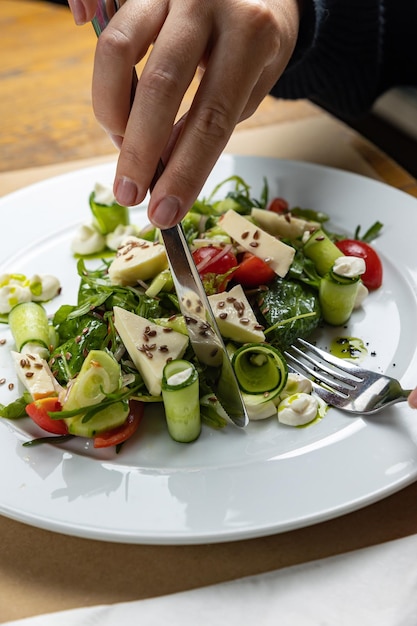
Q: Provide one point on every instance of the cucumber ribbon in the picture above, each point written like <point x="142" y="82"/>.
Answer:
<point x="260" y="370"/>
<point x="180" y="393"/>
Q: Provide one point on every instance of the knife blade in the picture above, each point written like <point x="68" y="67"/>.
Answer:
<point x="202" y="328"/>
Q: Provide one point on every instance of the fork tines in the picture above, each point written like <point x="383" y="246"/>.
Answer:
<point x="323" y="368"/>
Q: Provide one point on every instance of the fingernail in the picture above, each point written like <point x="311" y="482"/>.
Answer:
<point x="165" y="213"/>
<point x="78" y="11"/>
<point x="126" y="191"/>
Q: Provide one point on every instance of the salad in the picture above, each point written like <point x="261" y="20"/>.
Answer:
<point x="272" y="273"/>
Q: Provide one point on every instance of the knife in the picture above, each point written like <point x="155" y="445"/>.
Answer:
<point x="202" y="328"/>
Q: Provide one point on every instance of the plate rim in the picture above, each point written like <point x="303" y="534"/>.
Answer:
<point x="230" y="534"/>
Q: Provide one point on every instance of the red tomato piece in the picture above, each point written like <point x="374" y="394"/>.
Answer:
<point x="372" y="278"/>
<point x="214" y="260"/>
<point x="38" y="411"/>
<point x="122" y="433"/>
<point x="253" y="271"/>
<point x="278" y="205"/>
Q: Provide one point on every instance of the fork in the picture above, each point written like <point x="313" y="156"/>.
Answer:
<point x="342" y="384"/>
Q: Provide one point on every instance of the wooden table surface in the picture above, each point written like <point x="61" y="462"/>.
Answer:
<point x="47" y="125"/>
<point x="45" y="105"/>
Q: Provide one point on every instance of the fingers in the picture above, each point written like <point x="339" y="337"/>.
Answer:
<point x="237" y="69"/>
<point x="243" y="45"/>
<point x="119" y="48"/>
<point x="412" y="399"/>
<point x="160" y="90"/>
<point x="83" y="11"/>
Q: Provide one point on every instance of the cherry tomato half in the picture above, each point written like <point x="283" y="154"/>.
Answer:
<point x="38" y="411"/>
<point x="214" y="260"/>
<point x="253" y="271"/>
<point x="121" y="433"/>
<point x="278" y="205"/>
<point x="372" y="278"/>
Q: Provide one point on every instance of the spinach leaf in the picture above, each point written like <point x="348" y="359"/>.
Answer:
<point x="290" y="309"/>
<point x="16" y="409"/>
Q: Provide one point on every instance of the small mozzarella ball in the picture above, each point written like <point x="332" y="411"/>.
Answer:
<point x="88" y="241"/>
<point x="349" y="266"/>
<point x="298" y="409"/>
<point x="49" y="287"/>
<point x="11" y="295"/>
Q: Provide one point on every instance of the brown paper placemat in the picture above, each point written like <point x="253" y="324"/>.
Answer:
<point x="44" y="572"/>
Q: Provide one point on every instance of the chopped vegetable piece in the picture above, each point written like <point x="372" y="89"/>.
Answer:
<point x="122" y="433"/>
<point x="90" y="424"/>
<point x="337" y="296"/>
<point x="260" y="369"/>
<point x="253" y="271"/>
<point x="29" y="324"/>
<point x="372" y="277"/>
<point x="322" y="251"/>
<point x="39" y="411"/>
<point x="180" y="392"/>
<point x="214" y="259"/>
<point x="99" y="375"/>
<point x="278" y="205"/>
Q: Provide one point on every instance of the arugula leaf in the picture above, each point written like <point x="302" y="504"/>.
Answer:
<point x="371" y="234"/>
<point x="78" y="336"/>
<point x="238" y="199"/>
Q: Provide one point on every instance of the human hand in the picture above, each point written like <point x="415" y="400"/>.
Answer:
<point x="242" y="46"/>
<point x="412" y="399"/>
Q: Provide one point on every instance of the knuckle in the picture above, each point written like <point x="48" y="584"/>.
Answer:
<point x="159" y="84"/>
<point x="131" y="156"/>
<point x="214" y="123"/>
<point x="261" y="25"/>
<point x="113" y="44"/>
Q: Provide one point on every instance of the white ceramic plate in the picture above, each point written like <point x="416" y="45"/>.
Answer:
<point x="233" y="484"/>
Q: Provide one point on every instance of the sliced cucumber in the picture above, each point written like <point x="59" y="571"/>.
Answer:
<point x="102" y="421"/>
<point x="100" y="374"/>
<point x="29" y="324"/>
<point x="322" y="251"/>
<point x="260" y="369"/>
<point x="176" y="322"/>
<point x="162" y="282"/>
<point x="337" y="296"/>
<point x="180" y="393"/>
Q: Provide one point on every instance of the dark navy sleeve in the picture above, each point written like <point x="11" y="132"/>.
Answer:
<point x="338" y="62"/>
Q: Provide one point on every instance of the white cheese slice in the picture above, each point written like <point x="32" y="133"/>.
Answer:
<point x="277" y="254"/>
<point x="282" y="225"/>
<point x="235" y="317"/>
<point x="35" y="375"/>
<point x="149" y="346"/>
<point x="137" y="259"/>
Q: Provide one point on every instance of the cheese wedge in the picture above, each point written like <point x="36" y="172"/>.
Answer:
<point x="34" y="373"/>
<point x="285" y="226"/>
<point x="235" y="317"/>
<point x="149" y="346"/>
<point x="137" y="259"/>
<point x="277" y="254"/>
